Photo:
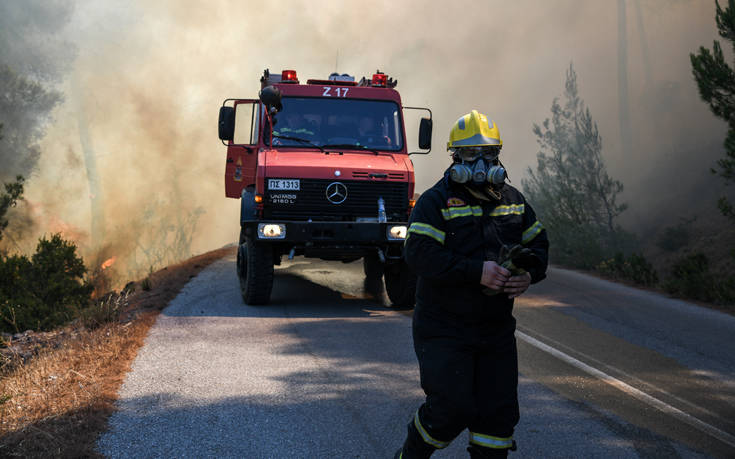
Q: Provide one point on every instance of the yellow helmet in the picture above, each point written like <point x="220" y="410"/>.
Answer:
<point x="474" y="130"/>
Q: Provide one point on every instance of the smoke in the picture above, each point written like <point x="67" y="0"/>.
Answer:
<point x="149" y="77"/>
<point x="32" y="58"/>
<point x="32" y="35"/>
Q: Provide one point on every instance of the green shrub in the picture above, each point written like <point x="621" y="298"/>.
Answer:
<point x="691" y="278"/>
<point x="675" y="237"/>
<point x="574" y="246"/>
<point x="634" y="268"/>
<point x="45" y="291"/>
<point x="59" y="272"/>
<point x="18" y="303"/>
<point x="13" y="192"/>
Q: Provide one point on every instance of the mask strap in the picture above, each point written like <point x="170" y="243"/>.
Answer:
<point x="493" y="193"/>
<point x="506" y="169"/>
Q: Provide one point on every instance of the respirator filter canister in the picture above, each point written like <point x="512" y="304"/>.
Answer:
<point x="496" y="175"/>
<point x="460" y="173"/>
<point x="478" y="173"/>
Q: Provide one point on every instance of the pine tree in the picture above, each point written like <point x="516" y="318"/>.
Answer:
<point x="13" y="192"/>
<point x="716" y="82"/>
<point x="575" y="197"/>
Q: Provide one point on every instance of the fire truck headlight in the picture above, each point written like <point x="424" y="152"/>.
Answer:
<point x="397" y="233"/>
<point x="271" y="231"/>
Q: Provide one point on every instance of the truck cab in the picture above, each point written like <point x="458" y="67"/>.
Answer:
<point x="322" y="170"/>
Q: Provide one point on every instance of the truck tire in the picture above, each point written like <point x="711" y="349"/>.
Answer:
<point x="255" y="271"/>
<point x="372" y="265"/>
<point x="400" y="285"/>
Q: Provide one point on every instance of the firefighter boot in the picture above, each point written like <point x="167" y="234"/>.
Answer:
<point x="414" y="447"/>
<point x="478" y="452"/>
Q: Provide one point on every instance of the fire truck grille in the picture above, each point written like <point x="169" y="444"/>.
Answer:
<point x="361" y="201"/>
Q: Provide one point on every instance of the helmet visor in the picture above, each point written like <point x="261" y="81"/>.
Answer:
<point x="487" y="152"/>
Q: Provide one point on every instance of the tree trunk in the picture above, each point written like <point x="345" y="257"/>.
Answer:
<point x="97" y="232"/>
<point x="648" y="78"/>
<point x="623" y="108"/>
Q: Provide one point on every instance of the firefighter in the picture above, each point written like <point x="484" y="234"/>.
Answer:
<point x="296" y="126"/>
<point x="463" y="327"/>
<point x="370" y="134"/>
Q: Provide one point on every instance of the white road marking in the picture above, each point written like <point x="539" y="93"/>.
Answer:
<point x="633" y="380"/>
<point x="632" y="391"/>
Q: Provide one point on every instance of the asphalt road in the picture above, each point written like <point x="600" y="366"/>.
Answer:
<point x="324" y="371"/>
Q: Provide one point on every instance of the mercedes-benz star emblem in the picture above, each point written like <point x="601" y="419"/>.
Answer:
<point x="336" y="192"/>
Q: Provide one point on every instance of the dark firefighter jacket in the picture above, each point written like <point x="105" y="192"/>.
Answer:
<point x="451" y="233"/>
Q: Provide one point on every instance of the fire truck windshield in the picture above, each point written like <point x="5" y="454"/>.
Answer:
<point x="313" y="122"/>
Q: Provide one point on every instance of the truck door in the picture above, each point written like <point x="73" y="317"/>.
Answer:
<point x="242" y="151"/>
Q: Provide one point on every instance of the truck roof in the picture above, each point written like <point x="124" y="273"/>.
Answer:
<point x="380" y="87"/>
<point x="348" y="92"/>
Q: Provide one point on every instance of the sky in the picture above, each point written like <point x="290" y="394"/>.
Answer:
<point x="146" y="81"/>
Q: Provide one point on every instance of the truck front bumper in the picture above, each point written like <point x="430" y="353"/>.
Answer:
<point x="327" y="233"/>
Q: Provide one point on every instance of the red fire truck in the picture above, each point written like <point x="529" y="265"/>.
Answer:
<point x="322" y="170"/>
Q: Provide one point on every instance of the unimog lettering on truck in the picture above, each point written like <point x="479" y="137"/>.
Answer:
<point x="322" y="170"/>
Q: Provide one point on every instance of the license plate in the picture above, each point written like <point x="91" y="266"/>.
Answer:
<point x="284" y="184"/>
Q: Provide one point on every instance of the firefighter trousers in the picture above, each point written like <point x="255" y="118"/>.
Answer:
<point x="470" y="382"/>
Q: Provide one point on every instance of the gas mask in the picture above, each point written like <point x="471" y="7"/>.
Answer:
<point x="477" y="172"/>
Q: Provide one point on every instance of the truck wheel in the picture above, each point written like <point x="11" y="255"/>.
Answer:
<point x="400" y="284"/>
<point x="372" y="266"/>
<point x="255" y="271"/>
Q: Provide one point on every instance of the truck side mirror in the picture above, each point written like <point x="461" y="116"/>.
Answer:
<point x="226" y="123"/>
<point x="425" y="134"/>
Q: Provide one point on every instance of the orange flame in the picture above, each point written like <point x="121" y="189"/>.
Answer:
<point x="107" y="263"/>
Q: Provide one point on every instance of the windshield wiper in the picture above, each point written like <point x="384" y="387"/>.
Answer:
<point x="298" y="139"/>
<point x="352" y="146"/>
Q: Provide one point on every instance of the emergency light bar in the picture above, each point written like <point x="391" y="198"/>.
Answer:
<point x="344" y="77"/>
<point x="380" y="80"/>
<point x="289" y="76"/>
<point x="336" y="79"/>
<point x="332" y="82"/>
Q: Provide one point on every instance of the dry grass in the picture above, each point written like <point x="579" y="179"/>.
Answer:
<point x="57" y="404"/>
<point x="56" y="400"/>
